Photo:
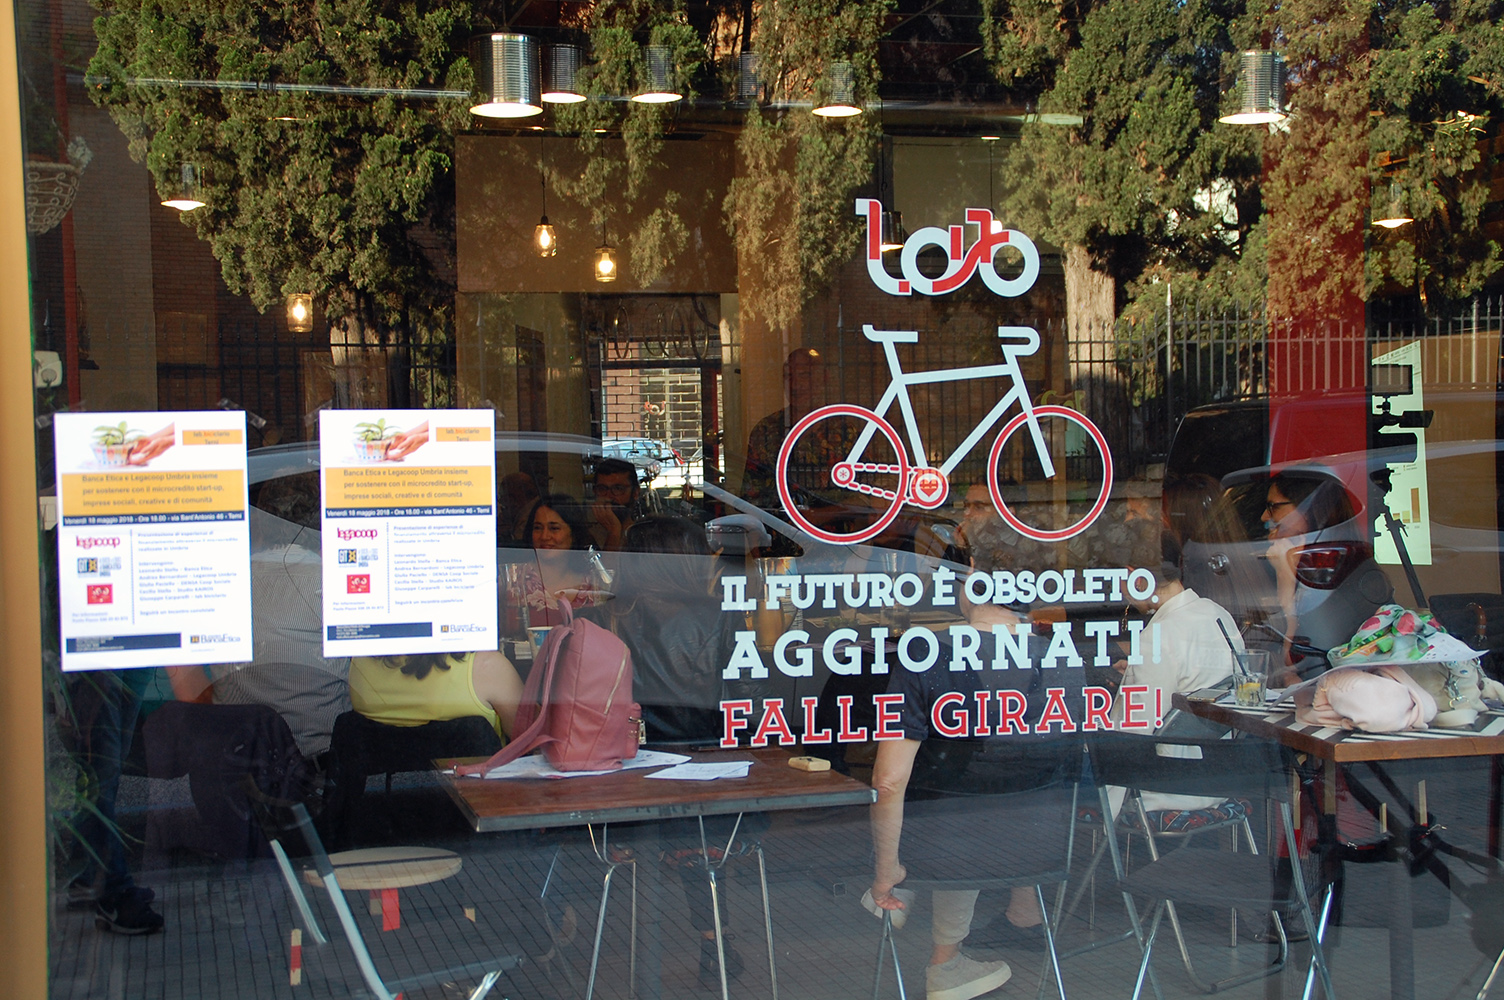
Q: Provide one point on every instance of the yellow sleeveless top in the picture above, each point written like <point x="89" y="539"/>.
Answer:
<point x="385" y="694"/>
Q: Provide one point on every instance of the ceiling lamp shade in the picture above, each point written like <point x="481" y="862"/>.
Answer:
<point x="300" y="312"/>
<point x="1396" y="213"/>
<point x="506" y="76"/>
<point x="1262" y="84"/>
<point x="893" y="233"/>
<point x="659" y="87"/>
<point x="841" y="102"/>
<point x="188" y="191"/>
<point x="559" y="86"/>
<point x="748" y="84"/>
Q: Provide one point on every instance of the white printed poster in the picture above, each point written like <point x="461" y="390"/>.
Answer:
<point x="409" y="531"/>
<point x="153" y="543"/>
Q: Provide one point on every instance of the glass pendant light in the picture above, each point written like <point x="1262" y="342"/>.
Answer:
<point x="605" y="259"/>
<point x="506" y="76"/>
<point x="300" y="312"/>
<point x="545" y="241"/>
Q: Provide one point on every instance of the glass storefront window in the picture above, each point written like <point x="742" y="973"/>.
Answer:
<point x="967" y="480"/>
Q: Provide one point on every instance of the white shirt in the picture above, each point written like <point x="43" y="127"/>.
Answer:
<point x="1192" y="653"/>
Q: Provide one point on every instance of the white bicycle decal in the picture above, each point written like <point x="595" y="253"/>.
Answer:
<point x="902" y="479"/>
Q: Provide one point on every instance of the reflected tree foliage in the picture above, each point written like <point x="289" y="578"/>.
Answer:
<point x="310" y="184"/>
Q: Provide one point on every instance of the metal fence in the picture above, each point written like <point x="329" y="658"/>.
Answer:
<point x="282" y="379"/>
<point x="1136" y="380"/>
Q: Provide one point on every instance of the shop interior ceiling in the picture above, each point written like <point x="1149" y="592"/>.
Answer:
<point x="935" y="80"/>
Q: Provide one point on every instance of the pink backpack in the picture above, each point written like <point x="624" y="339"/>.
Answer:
<point x="577" y="703"/>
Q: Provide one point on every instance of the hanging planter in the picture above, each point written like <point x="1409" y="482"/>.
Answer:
<point x="51" y="187"/>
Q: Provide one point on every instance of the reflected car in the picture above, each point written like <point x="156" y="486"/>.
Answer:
<point x="1334" y="582"/>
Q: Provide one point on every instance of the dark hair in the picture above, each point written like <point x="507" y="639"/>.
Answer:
<point x="616" y="467"/>
<point x="661" y="567"/>
<point x="571" y="512"/>
<point x="418" y="665"/>
<point x="1164" y="564"/>
<point x="1320" y="500"/>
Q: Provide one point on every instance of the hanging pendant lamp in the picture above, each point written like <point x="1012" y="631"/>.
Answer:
<point x="559" y="84"/>
<point x="1396" y="213"/>
<point x="506" y="76"/>
<point x="659" y="87"/>
<point x="841" y="102"/>
<point x="605" y="259"/>
<point x="1262" y="85"/>
<point x="188" y="191"/>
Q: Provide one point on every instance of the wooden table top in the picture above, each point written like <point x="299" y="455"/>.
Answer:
<point x="1485" y="738"/>
<point x="492" y="805"/>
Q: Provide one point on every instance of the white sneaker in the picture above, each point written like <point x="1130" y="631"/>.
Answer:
<point x="963" y="978"/>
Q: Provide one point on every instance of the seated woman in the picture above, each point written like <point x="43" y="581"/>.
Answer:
<point x="1296" y="505"/>
<point x="953" y="834"/>
<point x="412" y="690"/>
<point x="560" y="535"/>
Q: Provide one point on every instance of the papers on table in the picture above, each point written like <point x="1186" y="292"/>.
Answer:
<point x="536" y="766"/>
<point x="704" y="772"/>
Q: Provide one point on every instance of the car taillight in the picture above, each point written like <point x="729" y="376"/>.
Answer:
<point x="1326" y="566"/>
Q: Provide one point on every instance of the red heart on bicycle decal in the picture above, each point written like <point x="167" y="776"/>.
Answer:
<point x="929" y="486"/>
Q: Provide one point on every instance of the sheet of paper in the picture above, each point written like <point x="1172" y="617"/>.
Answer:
<point x="704" y="772"/>
<point x="153" y="545"/>
<point x="537" y="766"/>
<point x="409" y="531"/>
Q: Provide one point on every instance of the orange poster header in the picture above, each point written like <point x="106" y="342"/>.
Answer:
<point x="466" y="434"/>
<point x="114" y="494"/>
<point x="387" y="486"/>
<point x="225" y="436"/>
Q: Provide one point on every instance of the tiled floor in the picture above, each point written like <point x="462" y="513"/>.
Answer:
<point x="228" y="927"/>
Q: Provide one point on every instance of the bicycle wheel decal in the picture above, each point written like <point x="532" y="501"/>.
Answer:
<point x="814" y="453"/>
<point x="1103" y="493"/>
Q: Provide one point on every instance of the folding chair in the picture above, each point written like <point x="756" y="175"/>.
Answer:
<point x="1002" y="818"/>
<point x="1134" y="818"/>
<point x="368" y="869"/>
<point x="1249" y="769"/>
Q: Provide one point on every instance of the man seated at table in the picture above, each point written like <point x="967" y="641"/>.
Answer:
<point x="1194" y="637"/>
<point x="926" y="765"/>
<point x="617" y="504"/>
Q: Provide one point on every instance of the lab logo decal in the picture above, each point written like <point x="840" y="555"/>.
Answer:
<point x="860" y="466"/>
<point x="964" y="262"/>
<point x="358" y="583"/>
<point x="101" y="593"/>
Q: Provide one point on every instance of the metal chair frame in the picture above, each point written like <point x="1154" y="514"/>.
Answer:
<point x="1315" y="930"/>
<point x="1151" y="838"/>
<point x="601" y="847"/>
<point x="488" y="972"/>
<point x="1037" y="881"/>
